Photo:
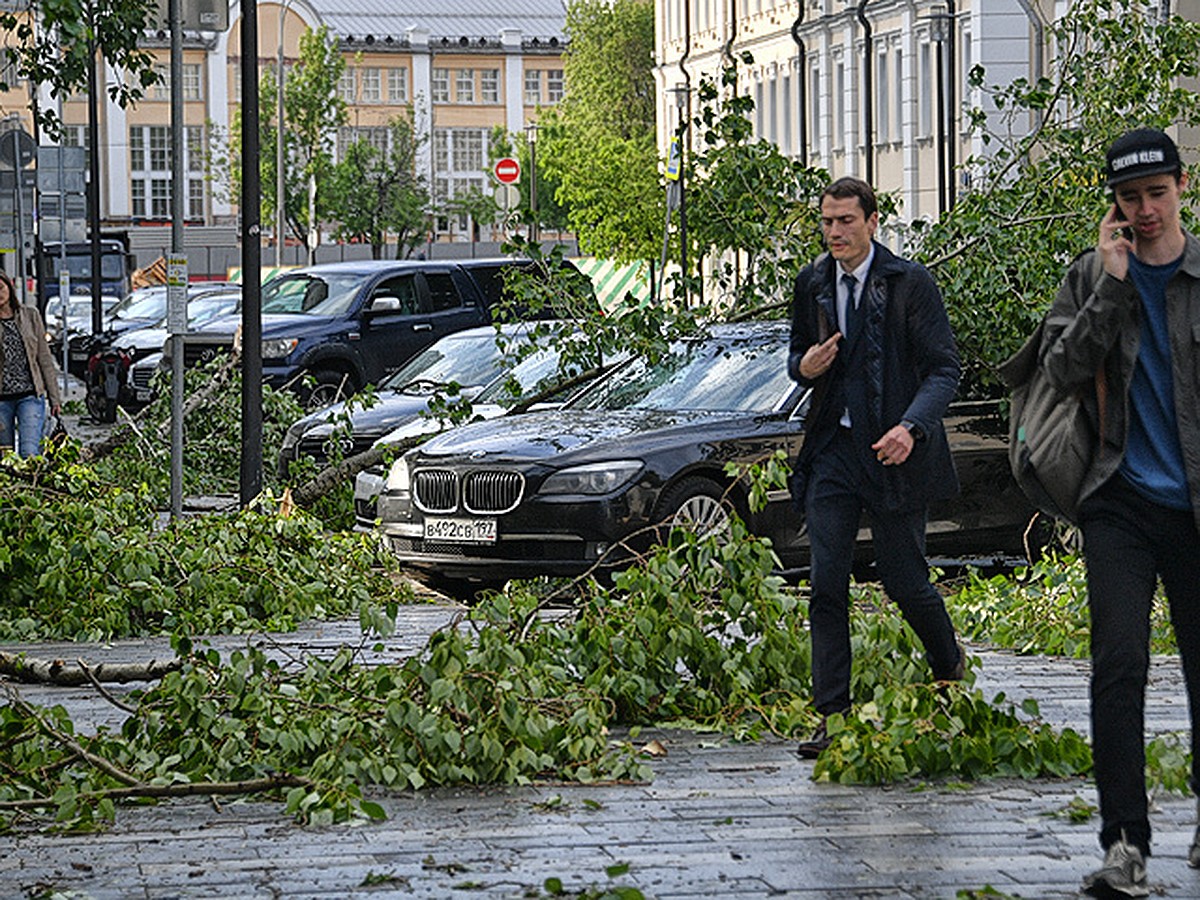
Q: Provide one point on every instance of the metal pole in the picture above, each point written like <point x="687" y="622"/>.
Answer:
<point x="251" y="464"/>
<point x="280" y="217"/>
<point x="93" y="185"/>
<point x="177" y="376"/>
<point x="19" y="207"/>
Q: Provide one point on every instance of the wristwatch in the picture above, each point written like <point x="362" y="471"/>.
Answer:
<point x="918" y="434"/>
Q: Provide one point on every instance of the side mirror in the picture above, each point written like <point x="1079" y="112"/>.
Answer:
<point x="385" y="304"/>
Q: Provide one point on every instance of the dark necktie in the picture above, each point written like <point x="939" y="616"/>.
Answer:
<point x="851" y="284"/>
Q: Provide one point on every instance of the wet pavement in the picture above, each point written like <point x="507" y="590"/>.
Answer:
<point x="720" y="818"/>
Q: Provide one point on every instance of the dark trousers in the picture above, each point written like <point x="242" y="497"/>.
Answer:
<point x="839" y="490"/>
<point x="1130" y="543"/>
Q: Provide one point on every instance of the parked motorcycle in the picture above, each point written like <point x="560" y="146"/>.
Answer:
<point x="107" y="373"/>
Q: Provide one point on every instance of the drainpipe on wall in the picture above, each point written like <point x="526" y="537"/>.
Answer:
<point x="802" y="85"/>
<point x="685" y="111"/>
<point x="868" y="93"/>
<point x="952" y="145"/>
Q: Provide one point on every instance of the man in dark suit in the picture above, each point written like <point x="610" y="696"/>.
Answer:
<point x="871" y="335"/>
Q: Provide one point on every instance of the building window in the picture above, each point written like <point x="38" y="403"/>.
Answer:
<point x="898" y="96"/>
<point x="195" y="199"/>
<point x="786" y="143"/>
<point x="194" y="147"/>
<point x="150" y="171"/>
<point x="397" y="85"/>
<point x="925" y="101"/>
<point x="160" y="148"/>
<point x="439" y="86"/>
<point x="192" y="81"/>
<point x="160" y="198"/>
<point x="459" y="162"/>
<point x="372" y="85"/>
<point x="839" y="106"/>
<point x="346" y="86"/>
<point x="489" y="85"/>
<point x="377" y="136"/>
<point x="75" y="136"/>
<point x="464" y="86"/>
<point x="554" y="85"/>
<point x="533" y="87"/>
<point x="161" y="89"/>
<point x="814" y="104"/>
<point x="883" y="93"/>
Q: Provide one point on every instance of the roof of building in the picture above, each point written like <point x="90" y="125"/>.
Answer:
<point x="543" y="19"/>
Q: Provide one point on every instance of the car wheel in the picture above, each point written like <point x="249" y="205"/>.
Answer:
<point x="328" y="387"/>
<point x="697" y="504"/>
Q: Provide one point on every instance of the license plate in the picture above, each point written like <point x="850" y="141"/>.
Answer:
<point x="143" y="396"/>
<point x="79" y="357"/>
<point x="461" y="531"/>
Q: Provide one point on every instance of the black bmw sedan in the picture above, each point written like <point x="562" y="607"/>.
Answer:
<point x="556" y="493"/>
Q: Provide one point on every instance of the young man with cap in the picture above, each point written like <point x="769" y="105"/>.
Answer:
<point x="1137" y="313"/>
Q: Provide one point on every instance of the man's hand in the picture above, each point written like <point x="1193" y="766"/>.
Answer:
<point x="819" y="357"/>
<point x="1113" y="246"/>
<point x="894" y="447"/>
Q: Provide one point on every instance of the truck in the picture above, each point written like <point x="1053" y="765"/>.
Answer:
<point x="116" y="266"/>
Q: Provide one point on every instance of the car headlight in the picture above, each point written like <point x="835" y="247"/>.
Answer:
<point x="278" y="348"/>
<point x="594" y="478"/>
<point x="397" y="478"/>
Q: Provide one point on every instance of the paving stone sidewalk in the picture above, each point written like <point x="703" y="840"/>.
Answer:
<point x="720" y="819"/>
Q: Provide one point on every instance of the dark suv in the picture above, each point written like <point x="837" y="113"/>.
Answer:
<point x="328" y="330"/>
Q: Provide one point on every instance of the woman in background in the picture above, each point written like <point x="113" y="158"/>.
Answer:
<point x="28" y="376"/>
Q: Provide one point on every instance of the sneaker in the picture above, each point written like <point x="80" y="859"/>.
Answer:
<point x="1122" y="875"/>
<point x="813" y="747"/>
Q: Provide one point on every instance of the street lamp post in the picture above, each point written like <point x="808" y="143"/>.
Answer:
<point x="280" y="187"/>
<point x="531" y="135"/>
<point x="939" y="33"/>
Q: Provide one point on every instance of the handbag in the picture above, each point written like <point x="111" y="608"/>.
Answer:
<point x="56" y="431"/>
<point x="1051" y="439"/>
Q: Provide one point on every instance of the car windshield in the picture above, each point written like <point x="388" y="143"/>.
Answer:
<point x="743" y="374"/>
<point x="144" y="303"/>
<point x="537" y="372"/>
<point x="203" y="309"/>
<point x="467" y="361"/>
<point x="312" y="294"/>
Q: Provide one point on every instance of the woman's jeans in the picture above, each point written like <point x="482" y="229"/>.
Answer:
<point x="28" y="415"/>
<point x="1130" y="543"/>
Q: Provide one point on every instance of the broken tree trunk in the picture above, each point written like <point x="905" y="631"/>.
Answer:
<point x="66" y="674"/>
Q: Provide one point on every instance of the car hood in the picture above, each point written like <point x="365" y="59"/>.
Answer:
<point x="389" y="412"/>
<point x="575" y="435"/>
<point x="143" y="339"/>
<point x="274" y="325"/>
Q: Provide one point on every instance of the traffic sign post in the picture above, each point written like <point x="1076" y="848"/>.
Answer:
<point x="507" y="170"/>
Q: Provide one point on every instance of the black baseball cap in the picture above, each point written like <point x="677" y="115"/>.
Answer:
<point x="1141" y="152"/>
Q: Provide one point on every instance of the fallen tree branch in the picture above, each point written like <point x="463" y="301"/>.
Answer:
<point x="59" y="672"/>
<point x="327" y="479"/>
<point x="160" y="791"/>
<point x="87" y="670"/>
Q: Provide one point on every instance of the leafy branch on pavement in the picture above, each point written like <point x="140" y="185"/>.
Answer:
<point x="1040" y="609"/>
<point x="83" y="559"/>
<point x="701" y="634"/>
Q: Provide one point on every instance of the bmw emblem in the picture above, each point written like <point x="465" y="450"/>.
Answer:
<point x="478" y="454"/>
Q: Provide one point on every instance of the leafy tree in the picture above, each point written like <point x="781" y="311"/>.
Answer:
<point x="599" y="143"/>
<point x="54" y="43"/>
<point x="1036" y="199"/>
<point x="751" y="210"/>
<point x="313" y="113"/>
<point x="377" y="193"/>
